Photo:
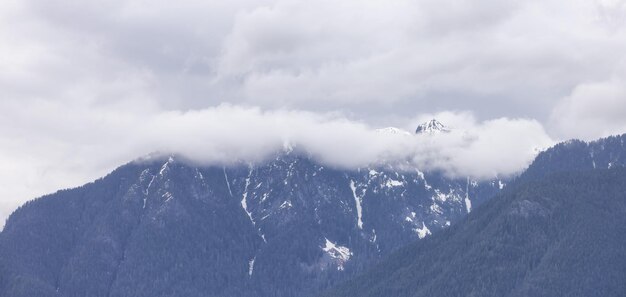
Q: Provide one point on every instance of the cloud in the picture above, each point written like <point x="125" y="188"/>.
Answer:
<point x="88" y="85"/>
<point x="231" y="133"/>
<point x="481" y="149"/>
<point x="52" y="146"/>
<point x="592" y="110"/>
<point x="369" y="58"/>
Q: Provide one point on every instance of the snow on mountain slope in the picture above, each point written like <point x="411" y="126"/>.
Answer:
<point x="558" y="233"/>
<point x="431" y="127"/>
<point x="160" y="223"/>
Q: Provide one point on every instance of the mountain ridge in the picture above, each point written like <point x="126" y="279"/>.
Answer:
<point x="288" y="218"/>
<point x="562" y="210"/>
<point x="165" y="226"/>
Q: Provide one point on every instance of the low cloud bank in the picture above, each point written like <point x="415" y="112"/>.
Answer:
<point x="48" y="149"/>
<point x="228" y="134"/>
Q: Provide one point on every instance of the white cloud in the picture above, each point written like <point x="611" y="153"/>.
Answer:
<point x="365" y="57"/>
<point x="482" y="149"/>
<point x="592" y="110"/>
<point x="69" y="145"/>
<point x="87" y="85"/>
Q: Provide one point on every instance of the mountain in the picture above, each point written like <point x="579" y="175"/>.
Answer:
<point x="288" y="226"/>
<point x="431" y="127"/>
<point x="558" y="230"/>
<point x="579" y="155"/>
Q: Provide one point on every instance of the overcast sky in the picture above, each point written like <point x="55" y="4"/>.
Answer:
<point x="88" y="85"/>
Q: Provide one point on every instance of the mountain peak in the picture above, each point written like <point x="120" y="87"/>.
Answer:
<point x="431" y="127"/>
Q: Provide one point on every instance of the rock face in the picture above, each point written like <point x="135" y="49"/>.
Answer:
<point x="165" y="227"/>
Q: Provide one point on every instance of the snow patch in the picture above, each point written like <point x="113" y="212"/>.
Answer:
<point x="422" y="177"/>
<point x="340" y="253"/>
<point x="422" y="232"/>
<point x="244" y="204"/>
<point x="435" y="208"/>
<point x="251" y="266"/>
<point x="357" y="201"/>
<point x="393" y="183"/>
<point x="200" y="176"/>
<point x="468" y="202"/>
<point x="286" y="204"/>
<point x="165" y="166"/>
<point x="146" y="191"/>
<point x="440" y="196"/>
<point x="227" y="182"/>
<point x="168" y="196"/>
<point x="593" y="161"/>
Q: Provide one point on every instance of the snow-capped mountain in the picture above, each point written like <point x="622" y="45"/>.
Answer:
<point x="285" y="227"/>
<point x="431" y="127"/>
<point x="288" y="226"/>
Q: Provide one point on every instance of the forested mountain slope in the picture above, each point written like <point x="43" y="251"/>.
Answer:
<point x="167" y="227"/>
<point x="559" y="230"/>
